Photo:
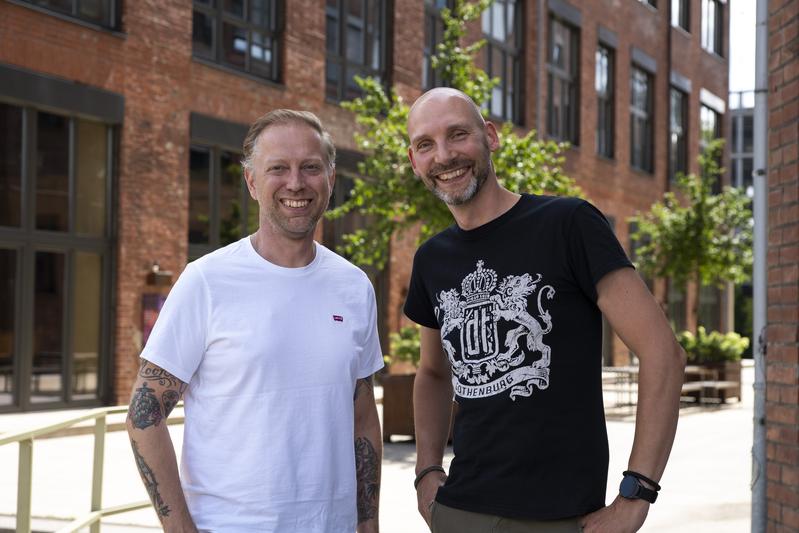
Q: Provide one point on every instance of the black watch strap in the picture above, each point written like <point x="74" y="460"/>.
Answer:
<point x="632" y="488"/>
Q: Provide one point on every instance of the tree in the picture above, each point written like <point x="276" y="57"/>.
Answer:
<point x="388" y="193"/>
<point x="697" y="236"/>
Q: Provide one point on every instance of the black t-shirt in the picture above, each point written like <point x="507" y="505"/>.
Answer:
<point x="515" y="300"/>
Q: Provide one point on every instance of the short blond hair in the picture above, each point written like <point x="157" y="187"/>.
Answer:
<point x="286" y="116"/>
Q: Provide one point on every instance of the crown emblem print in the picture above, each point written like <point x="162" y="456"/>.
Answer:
<point x="477" y="286"/>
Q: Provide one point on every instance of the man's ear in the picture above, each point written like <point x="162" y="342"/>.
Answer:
<point x="492" y="135"/>
<point x="249" y="179"/>
<point x="413" y="163"/>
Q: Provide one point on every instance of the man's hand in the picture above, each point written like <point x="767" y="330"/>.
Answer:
<point x="621" y="516"/>
<point x="426" y="493"/>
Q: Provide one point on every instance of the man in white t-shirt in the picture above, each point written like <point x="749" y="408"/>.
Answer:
<point x="272" y="341"/>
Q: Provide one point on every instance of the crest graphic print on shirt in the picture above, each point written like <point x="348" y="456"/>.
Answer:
<point x="496" y="334"/>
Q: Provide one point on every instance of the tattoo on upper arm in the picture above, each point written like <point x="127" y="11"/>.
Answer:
<point x="150" y="482"/>
<point x="366" y="473"/>
<point x="145" y="409"/>
<point x="363" y="384"/>
<point x="152" y="372"/>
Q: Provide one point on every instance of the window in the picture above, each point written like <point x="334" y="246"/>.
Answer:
<point x="563" y="82"/>
<point x="676" y="306"/>
<point x="106" y="13"/>
<point x="221" y="210"/>
<point x="712" y="26"/>
<point x="641" y="119"/>
<point x="55" y="255"/>
<point x="741" y="149"/>
<point x="245" y="36"/>
<point x="708" y="313"/>
<point x="356" y="45"/>
<point x="680" y="10"/>
<point x="503" y="52"/>
<point x="710" y="129"/>
<point x="603" y="83"/>
<point x="678" y="130"/>
<point x="652" y="3"/>
<point x="433" y="34"/>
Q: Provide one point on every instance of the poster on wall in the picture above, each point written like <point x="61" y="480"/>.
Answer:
<point x="151" y="305"/>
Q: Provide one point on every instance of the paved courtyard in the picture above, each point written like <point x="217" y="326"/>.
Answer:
<point x="705" y="487"/>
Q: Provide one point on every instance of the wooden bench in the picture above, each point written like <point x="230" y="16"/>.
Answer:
<point x="709" y="390"/>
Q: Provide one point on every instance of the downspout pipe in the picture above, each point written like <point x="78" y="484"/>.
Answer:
<point x="759" y="281"/>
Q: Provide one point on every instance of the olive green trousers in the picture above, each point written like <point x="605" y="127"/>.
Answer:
<point x="448" y="520"/>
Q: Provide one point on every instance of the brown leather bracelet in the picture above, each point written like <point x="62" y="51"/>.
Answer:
<point x="424" y="471"/>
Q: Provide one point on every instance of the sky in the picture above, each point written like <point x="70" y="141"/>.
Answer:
<point x="742" y="44"/>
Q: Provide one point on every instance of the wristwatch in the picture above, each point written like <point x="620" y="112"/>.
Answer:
<point x="632" y="489"/>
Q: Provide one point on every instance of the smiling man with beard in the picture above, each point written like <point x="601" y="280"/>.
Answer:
<point x="510" y="300"/>
<point x="274" y="341"/>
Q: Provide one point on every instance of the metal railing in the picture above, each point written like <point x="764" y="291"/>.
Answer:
<point x="25" y="471"/>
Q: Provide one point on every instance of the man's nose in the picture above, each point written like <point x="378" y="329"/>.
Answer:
<point x="296" y="181"/>
<point x="443" y="153"/>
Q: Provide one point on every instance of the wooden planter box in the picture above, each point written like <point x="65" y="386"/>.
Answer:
<point x="724" y="373"/>
<point x="398" y="406"/>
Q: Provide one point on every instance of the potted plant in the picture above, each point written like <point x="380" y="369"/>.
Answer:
<point x="719" y="354"/>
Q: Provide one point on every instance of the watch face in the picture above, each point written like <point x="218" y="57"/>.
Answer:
<point x="629" y="487"/>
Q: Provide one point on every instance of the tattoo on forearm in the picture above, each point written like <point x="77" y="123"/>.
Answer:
<point x="362" y="385"/>
<point x="145" y="409"/>
<point x="366" y="474"/>
<point x="150" y="482"/>
<point x="170" y="397"/>
<point x="152" y="372"/>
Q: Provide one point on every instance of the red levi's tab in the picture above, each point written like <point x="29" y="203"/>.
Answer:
<point x="338" y="318"/>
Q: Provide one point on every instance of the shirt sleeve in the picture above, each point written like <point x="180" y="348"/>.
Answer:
<point x="371" y="356"/>
<point x="178" y="340"/>
<point x="418" y="306"/>
<point x="594" y="250"/>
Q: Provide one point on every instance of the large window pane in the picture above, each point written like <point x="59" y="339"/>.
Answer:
<point x="10" y="164"/>
<point x="249" y="31"/>
<point x="355" y="38"/>
<point x="8" y="284"/>
<point x="52" y="173"/>
<point x="199" y="196"/>
<point x="48" y="301"/>
<point x="86" y="323"/>
<point x="230" y="194"/>
<point x="91" y="177"/>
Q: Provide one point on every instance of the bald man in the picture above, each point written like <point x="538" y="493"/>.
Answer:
<point x="510" y="302"/>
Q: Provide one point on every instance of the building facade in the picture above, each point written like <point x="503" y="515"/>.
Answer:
<point x="782" y="333"/>
<point x="122" y="125"/>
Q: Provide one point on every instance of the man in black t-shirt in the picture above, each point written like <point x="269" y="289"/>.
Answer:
<point x="510" y="301"/>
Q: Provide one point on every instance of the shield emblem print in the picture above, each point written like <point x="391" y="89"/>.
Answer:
<point x="479" y="332"/>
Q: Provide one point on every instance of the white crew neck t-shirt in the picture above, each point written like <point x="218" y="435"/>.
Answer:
<point x="271" y="356"/>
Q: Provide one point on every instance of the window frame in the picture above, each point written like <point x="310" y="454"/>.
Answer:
<point x="678" y="161"/>
<point x="646" y="117"/>
<point x="339" y="58"/>
<point x="219" y="18"/>
<point x="26" y="241"/>
<point x="712" y="37"/>
<point x="570" y="79"/>
<point x="112" y="22"/>
<point x="215" y="171"/>
<point x="606" y="102"/>
<point x="681" y="14"/>
<point x="509" y="52"/>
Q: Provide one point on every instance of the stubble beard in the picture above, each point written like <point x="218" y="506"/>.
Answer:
<point x="479" y="176"/>
<point x="291" y="227"/>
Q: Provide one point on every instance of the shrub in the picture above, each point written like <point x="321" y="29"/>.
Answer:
<point x="712" y="347"/>
<point x="404" y="346"/>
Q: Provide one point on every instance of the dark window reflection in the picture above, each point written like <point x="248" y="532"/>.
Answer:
<point x="10" y="164"/>
<point x="199" y="196"/>
<point x="48" y="357"/>
<point x="52" y="172"/>
<point x="8" y="282"/>
<point x="86" y="324"/>
<point x="202" y="33"/>
<point x="230" y="198"/>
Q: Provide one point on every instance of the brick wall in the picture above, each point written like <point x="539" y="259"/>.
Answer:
<point x="782" y="359"/>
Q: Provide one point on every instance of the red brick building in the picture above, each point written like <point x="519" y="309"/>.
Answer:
<point x="122" y="125"/>
<point x="782" y="349"/>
